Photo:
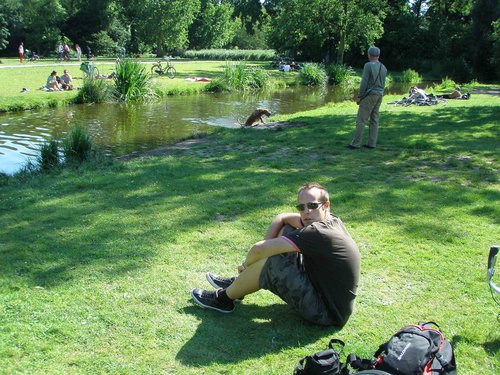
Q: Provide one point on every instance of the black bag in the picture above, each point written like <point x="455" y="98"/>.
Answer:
<point x="417" y="349"/>
<point x="322" y="363"/>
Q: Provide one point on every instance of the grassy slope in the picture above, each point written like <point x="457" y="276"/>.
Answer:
<point x="97" y="265"/>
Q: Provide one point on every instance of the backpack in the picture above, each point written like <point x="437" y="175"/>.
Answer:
<point x="326" y="362"/>
<point x="417" y="349"/>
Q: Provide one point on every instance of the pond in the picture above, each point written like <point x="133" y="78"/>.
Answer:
<point x="122" y="129"/>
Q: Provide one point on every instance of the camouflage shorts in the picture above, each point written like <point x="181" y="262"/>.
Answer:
<point x="283" y="276"/>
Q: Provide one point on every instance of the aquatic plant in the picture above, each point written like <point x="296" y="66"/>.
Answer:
<point x="132" y="82"/>
<point x="410" y="76"/>
<point x="338" y="73"/>
<point x="78" y="146"/>
<point x="93" y="91"/>
<point x="313" y="75"/>
<point x="240" y="77"/>
<point x="48" y="158"/>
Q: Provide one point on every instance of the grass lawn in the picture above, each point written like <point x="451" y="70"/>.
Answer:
<point x="96" y="265"/>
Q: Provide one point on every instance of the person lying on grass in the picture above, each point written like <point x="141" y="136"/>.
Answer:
<point x="308" y="259"/>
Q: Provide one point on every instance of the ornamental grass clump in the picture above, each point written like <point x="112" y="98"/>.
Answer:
<point x="339" y="73"/>
<point x="240" y="77"/>
<point x="132" y="82"/>
<point x="313" y="75"/>
<point x="48" y="159"/>
<point x="93" y="91"/>
<point x="78" y="146"/>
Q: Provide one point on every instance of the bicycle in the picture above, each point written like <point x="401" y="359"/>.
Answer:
<point x="32" y="56"/>
<point x="90" y="70"/>
<point x="159" y="69"/>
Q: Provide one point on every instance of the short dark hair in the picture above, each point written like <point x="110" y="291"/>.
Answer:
<point x="325" y="197"/>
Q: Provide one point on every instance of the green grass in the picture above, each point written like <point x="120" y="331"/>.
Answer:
<point x="97" y="264"/>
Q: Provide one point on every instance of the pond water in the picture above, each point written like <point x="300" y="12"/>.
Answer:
<point x="122" y="129"/>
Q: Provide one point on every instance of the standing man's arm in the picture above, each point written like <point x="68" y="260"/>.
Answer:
<point x="364" y="81"/>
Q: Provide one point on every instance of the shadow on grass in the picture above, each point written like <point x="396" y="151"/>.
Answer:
<point x="52" y="227"/>
<point x="226" y="339"/>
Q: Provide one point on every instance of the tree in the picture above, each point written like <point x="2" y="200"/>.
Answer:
<point x="484" y="14"/>
<point x="165" y="23"/>
<point x="213" y="28"/>
<point x="315" y="29"/>
<point x="4" y="32"/>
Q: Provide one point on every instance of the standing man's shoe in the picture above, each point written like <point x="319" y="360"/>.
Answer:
<point x="208" y="300"/>
<point x="352" y="147"/>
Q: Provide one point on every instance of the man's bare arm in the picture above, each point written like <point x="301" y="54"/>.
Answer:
<point x="280" y="221"/>
<point x="267" y="248"/>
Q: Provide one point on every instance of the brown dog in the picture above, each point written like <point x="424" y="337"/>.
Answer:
<point x="256" y="117"/>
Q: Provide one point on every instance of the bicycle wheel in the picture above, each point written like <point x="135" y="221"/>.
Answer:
<point x="93" y="72"/>
<point x="171" y="72"/>
<point x="156" y="70"/>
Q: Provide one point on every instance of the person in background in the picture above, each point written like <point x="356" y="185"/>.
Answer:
<point x="78" y="50"/>
<point x="52" y="84"/>
<point x="369" y="99"/>
<point x="21" y="52"/>
<point x="66" y="81"/>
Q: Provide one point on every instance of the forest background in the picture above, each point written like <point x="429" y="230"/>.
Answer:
<point x="455" y="38"/>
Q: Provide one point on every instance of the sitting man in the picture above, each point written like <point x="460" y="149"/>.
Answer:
<point x="67" y="81"/>
<point x="308" y="259"/>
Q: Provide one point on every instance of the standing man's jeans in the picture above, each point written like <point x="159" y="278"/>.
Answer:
<point x="368" y="109"/>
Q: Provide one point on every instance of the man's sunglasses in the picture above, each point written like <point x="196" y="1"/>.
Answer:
<point x="309" y="205"/>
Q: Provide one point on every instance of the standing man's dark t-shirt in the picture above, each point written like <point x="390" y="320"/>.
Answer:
<point x="332" y="262"/>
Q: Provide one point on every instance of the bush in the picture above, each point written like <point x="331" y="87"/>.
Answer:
<point x="410" y="76"/>
<point x="313" y="75"/>
<point x="132" y="83"/>
<point x="48" y="158"/>
<point x="93" y="91"/>
<point x="240" y="77"/>
<point x="338" y="73"/>
<point x="229" y="54"/>
<point x="78" y="147"/>
<point x="446" y="84"/>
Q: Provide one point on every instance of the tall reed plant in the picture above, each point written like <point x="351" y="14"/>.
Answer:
<point x="48" y="158"/>
<point x="313" y="75"/>
<point x="339" y="73"/>
<point x="78" y="146"/>
<point x="240" y="77"/>
<point x="93" y="91"/>
<point x="132" y="82"/>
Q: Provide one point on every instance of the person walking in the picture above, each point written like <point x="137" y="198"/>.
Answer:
<point x="369" y="99"/>
<point x="78" y="50"/>
<point x="21" y="52"/>
<point x="307" y="258"/>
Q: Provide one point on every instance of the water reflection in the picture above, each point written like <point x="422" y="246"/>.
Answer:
<point x="121" y="129"/>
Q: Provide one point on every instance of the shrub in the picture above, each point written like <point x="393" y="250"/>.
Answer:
<point x="48" y="158"/>
<point x="446" y="84"/>
<point x="132" y="83"/>
<point x="338" y="73"/>
<point x="410" y="76"/>
<point x="231" y="54"/>
<point x="240" y="77"/>
<point x="93" y="91"/>
<point x="313" y="75"/>
<point x="78" y="146"/>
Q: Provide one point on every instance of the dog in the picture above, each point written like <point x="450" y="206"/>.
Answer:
<point x="256" y="117"/>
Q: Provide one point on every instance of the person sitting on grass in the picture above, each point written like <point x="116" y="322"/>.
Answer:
<point x="66" y="81"/>
<point x="417" y="95"/>
<point x="52" y="84"/>
<point x="308" y="259"/>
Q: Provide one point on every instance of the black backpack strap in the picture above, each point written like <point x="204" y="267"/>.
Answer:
<point x="359" y="363"/>
<point x="339" y="342"/>
<point x="429" y="325"/>
<point x="381" y="349"/>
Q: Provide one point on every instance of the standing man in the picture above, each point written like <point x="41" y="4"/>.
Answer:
<point x="21" y="52"/>
<point x="369" y="99"/>
<point x="307" y="258"/>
